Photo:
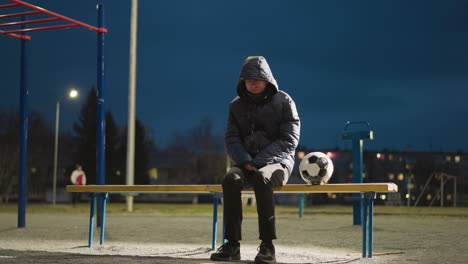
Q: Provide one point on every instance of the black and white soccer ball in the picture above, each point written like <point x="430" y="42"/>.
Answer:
<point x="316" y="168"/>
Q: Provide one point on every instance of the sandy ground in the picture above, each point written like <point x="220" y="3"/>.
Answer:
<point x="60" y="238"/>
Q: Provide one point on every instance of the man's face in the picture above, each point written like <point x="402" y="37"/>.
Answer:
<point x="255" y="87"/>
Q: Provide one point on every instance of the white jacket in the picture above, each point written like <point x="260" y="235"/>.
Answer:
<point x="74" y="177"/>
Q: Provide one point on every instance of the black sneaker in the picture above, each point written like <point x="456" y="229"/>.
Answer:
<point x="266" y="254"/>
<point x="228" y="251"/>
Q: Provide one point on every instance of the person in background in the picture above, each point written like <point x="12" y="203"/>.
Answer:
<point x="78" y="177"/>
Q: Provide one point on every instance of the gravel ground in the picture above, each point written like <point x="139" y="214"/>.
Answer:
<point x="322" y="238"/>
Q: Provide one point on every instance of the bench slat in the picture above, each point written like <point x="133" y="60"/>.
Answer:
<point x="289" y="188"/>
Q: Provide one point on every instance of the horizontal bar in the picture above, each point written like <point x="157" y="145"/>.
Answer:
<point x="289" y="188"/>
<point x="41" y="28"/>
<point x="21" y="14"/>
<point x="18" y="23"/>
<point x="42" y="10"/>
<point x="15" y="35"/>
<point x="9" y="5"/>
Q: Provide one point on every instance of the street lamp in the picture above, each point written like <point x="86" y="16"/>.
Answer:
<point x="72" y="94"/>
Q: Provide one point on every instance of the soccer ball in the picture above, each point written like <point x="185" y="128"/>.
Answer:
<point x="316" y="168"/>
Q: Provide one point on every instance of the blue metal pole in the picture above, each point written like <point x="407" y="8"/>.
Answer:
<point x="101" y="122"/>
<point x="357" y="178"/>
<point x="215" y="220"/>
<point x="100" y="100"/>
<point x="24" y="93"/>
<point x="371" y="226"/>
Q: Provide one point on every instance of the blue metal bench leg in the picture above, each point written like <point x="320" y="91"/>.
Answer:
<point x="215" y="220"/>
<point x="223" y="236"/>
<point x="103" y="213"/>
<point x="301" y="204"/>
<point x="368" y="224"/>
<point x="371" y="225"/>
<point x="91" y="219"/>
<point x="364" y="227"/>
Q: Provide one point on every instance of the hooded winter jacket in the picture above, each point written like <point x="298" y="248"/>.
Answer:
<point x="261" y="129"/>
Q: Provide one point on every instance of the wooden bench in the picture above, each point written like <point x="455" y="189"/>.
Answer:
<point x="367" y="190"/>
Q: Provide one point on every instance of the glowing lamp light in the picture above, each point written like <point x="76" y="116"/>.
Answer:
<point x="407" y="196"/>
<point x="73" y="93"/>
<point x="383" y="197"/>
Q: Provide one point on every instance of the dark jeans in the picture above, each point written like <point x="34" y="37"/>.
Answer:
<point x="263" y="182"/>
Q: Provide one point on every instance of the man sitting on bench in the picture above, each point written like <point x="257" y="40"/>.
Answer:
<point x="261" y="137"/>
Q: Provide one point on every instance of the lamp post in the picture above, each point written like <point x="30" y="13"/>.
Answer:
<point x="72" y="94"/>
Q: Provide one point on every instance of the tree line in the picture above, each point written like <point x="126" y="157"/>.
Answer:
<point x="193" y="156"/>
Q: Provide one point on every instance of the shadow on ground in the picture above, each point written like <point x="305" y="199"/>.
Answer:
<point x="26" y="257"/>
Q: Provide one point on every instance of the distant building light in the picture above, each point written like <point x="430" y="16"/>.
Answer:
<point x="429" y="196"/>
<point x="449" y="197"/>
<point x="300" y="154"/>
<point x="390" y="157"/>
<point x="33" y="170"/>
<point x="457" y="159"/>
<point x="407" y="196"/>
<point x="332" y="195"/>
<point x="383" y="197"/>
<point x="117" y="172"/>
<point x="153" y="173"/>
<point x="364" y="175"/>
<point x="380" y="156"/>
<point x="391" y="176"/>
<point x="448" y="158"/>
<point x="401" y="176"/>
<point x="332" y="155"/>
<point x="350" y="165"/>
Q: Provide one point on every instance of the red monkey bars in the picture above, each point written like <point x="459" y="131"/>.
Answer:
<point x="35" y="10"/>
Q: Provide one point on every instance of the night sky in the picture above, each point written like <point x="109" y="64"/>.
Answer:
<point x="400" y="65"/>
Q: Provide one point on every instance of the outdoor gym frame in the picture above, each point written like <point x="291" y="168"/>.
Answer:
<point x="20" y="34"/>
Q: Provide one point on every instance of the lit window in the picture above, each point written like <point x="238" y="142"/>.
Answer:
<point x="300" y="154"/>
<point x="457" y="159"/>
<point x="401" y="176"/>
